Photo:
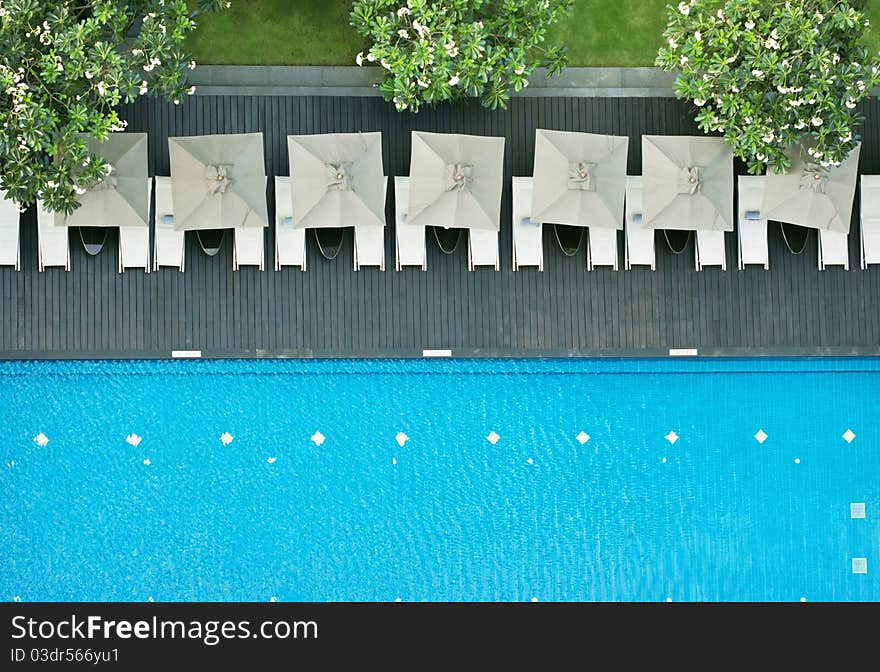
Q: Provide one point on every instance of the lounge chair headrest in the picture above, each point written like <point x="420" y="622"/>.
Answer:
<point x="753" y="215"/>
<point x="168" y="219"/>
<point x="287" y="221"/>
<point x="528" y="221"/>
<point x="637" y="217"/>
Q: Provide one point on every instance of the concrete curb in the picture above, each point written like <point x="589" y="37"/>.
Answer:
<point x="260" y="80"/>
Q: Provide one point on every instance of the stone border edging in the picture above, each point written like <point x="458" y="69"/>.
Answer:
<point x="282" y="80"/>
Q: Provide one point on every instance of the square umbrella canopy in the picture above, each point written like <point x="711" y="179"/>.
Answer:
<point x="337" y="180"/>
<point x="122" y="198"/>
<point x="579" y="179"/>
<point x="218" y="181"/>
<point x="687" y="183"/>
<point x="455" y="181"/>
<point x="810" y="195"/>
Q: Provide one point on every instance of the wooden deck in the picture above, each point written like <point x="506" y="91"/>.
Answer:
<point x="330" y="310"/>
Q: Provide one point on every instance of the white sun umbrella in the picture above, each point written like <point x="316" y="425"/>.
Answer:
<point x="337" y="180"/>
<point x="122" y="198"/>
<point x="579" y="179"/>
<point x="687" y="183"/>
<point x="455" y="181"/>
<point x="218" y="181"/>
<point x="810" y="195"/>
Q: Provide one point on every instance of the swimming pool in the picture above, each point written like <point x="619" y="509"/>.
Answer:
<point x="583" y="495"/>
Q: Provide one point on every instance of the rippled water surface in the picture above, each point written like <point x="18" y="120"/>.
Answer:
<point x="623" y="515"/>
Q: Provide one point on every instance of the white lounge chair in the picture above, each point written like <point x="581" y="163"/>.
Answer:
<point x="248" y="247"/>
<point x="528" y="236"/>
<point x="751" y="226"/>
<point x="10" y="244"/>
<point x="369" y="244"/>
<point x="168" y="243"/>
<point x="710" y="250"/>
<point x="290" y="242"/>
<point x="483" y="249"/>
<point x="833" y="249"/>
<point x="134" y="242"/>
<point x="869" y="214"/>
<point x="639" y="241"/>
<point x="53" y="245"/>
<point x="410" y="240"/>
<point x="602" y="248"/>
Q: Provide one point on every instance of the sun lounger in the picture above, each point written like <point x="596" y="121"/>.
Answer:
<point x="53" y="246"/>
<point x="483" y="249"/>
<point x="290" y="242"/>
<point x="639" y="241"/>
<point x="602" y="248"/>
<point x="528" y="236"/>
<point x="168" y="243"/>
<point x="410" y="240"/>
<point x="751" y="227"/>
<point x="10" y="246"/>
<point x="248" y="247"/>
<point x="710" y="250"/>
<point x="833" y="249"/>
<point x="369" y="244"/>
<point x="869" y="213"/>
<point x="134" y="243"/>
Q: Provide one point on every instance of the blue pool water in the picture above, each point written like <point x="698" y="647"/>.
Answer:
<point x="448" y="515"/>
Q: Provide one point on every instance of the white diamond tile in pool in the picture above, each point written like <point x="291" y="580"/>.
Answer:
<point x="761" y="436"/>
<point x="401" y="439"/>
<point x="582" y="438"/>
<point x="848" y="436"/>
<point x="857" y="510"/>
<point x="133" y="440"/>
<point x="226" y="438"/>
<point x="41" y="440"/>
<point x="860" y="565"/>
<point x="492" y="438"/>
<point x="453" y="517"/>
<point x="672" y="437"/>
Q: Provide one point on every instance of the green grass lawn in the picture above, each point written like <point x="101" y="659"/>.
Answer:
<point x="316" y="32"/>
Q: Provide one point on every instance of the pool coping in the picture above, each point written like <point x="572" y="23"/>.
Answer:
<point x="456" y="353"/>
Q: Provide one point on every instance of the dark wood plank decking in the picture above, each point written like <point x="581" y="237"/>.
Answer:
<point x="332" y="310"/>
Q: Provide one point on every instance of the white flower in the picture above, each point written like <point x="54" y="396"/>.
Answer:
<point x="228" y="5"/>
<point x="817" y="121"/>
<point x="673" y="44"/>
<point x="684" y="8"/>
<point x="192" y="65"/>
<point x="453" y="80"/>
<point x="359" y="59"/>
<point x="191" y="90"/>
<point x="176" y="101"/>
<point x="699" y="102"/>
<point x="370" y="57"/>
<point x="143" y="88"/>
<point x="520" y="70"/>
<point x="750" y="25"/>
<point x="850" y="104"/>
<point x="771" y="43"/>
<point x="89" y="75"/>
<point x="403" y="33"/>
<point x="386" y="64"/>
<point x="683" y="60"/>
<point x="102" y="89"/>
<point x="720" y="14"/>
<point x="403" y="11"/>
<point x="835" y="59"/>
<point x="422" y="83"/>
<point x="757" y="73"/>
<point x="698" y="36"/>
<point x="800" y="124"/>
